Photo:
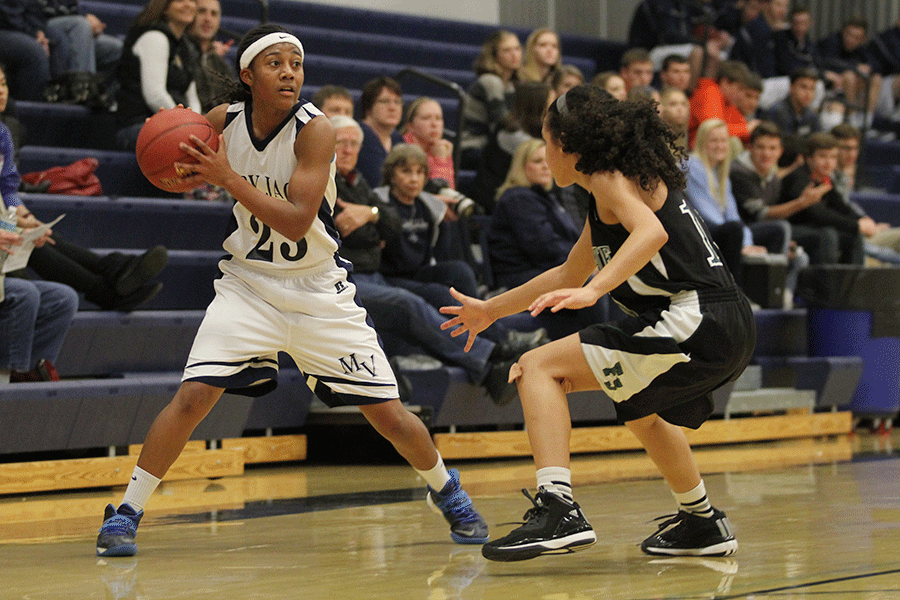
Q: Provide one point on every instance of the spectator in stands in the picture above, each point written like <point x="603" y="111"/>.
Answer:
<point x="158" y="66"/>
<point x="757" y="190"/>
<point x="675" y="111"/>
<point x="709" y="192"/>
<point x="92" y="54"/>
<point x="794" y="114"/>
<point x="366" y="223"/>
<point x="542" y="57"/>
<point x="846" y="180"/>
<point x="755" y="42"/>
<point x="748" y="100"/>
<point x="24" y="51"/>
<point x="612" y="82"/>
<point x="382" y="108"/>
<point x="214" y="72"/>
<point x="34" y="319"/>
<point x="334" y="100"/>
<point x="113" y="282"/>
<point x="734" y="15"/>
<point x="410" y="261"/>
<point x="490" y="97"/>
<point x="846" y="56"/>
<point x="531" y="231"/>
<point x="564" y="79"/>
<point x="885" y="51"/>
<point x="520" y="125"/>
<point x="794" y="46"/>
<point x="833" y="216"/>
<point x="676" y="72"/>
<point x="686" y="28"/>
<point x="719" y="99"/>
<point x="636" y="69"/>
<point x="849" y="140"/>
<point x="424" y="126"/>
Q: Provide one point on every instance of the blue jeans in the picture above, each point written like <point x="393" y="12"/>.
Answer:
<point x="86" y="54"/>
<point x="26" y="64"/>
<point x="34" y="319"/>
<point x="433" y="283"/>
<point x="407" y="316"/>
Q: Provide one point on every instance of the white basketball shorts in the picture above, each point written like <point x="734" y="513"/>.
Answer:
<point x="313" y="318"/>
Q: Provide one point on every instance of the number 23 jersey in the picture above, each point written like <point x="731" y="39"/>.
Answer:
<point x="268" y="165"/>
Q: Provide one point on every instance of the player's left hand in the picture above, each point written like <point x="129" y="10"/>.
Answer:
<point x="564" y="298"/>
<point x="211" y="167"/>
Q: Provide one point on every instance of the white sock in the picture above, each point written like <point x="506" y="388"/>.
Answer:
<point x="695" y="501"/>
<point x="437" y="476"/>
<point x="140" y="488"/>
<point x="555" y="480"/>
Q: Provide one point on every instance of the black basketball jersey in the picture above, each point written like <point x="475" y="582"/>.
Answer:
<point x="688" y="261"/>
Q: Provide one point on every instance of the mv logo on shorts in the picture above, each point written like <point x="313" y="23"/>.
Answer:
<point x="350" y="364"/>
<point x="612" y="374"/>
<point x="602" y="255"/>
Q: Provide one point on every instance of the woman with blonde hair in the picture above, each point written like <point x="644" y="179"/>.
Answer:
<point x="543" y="55"/>
<point x="530" y="232"/>
<point x="709" y="192"/>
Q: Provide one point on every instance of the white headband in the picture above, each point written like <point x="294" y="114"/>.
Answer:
<point x="264" y="42"/>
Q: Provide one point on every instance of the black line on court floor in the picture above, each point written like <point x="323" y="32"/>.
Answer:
<point x="293" y="506"/>
<point x="810" y="584"/>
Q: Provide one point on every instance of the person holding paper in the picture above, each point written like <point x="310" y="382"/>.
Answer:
<point x="112" y="282"/>
<point x="34" y="319"/>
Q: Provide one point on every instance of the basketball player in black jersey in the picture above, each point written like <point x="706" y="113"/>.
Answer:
<point x="688" y="329"/>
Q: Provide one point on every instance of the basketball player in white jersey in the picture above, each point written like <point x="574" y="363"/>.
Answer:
<point x="283" y="288"/>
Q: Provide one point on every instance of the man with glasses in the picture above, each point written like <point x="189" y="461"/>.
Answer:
<point x="381" y="103"/>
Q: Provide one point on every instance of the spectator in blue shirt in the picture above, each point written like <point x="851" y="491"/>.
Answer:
<point x="709" y="192"/>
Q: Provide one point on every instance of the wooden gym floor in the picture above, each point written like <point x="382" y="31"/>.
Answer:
<point x="816" y="519"/>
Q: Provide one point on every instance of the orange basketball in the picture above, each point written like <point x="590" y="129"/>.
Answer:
<point x="159" y="146"/>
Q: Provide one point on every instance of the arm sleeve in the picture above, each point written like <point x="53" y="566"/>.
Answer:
<point x="697" y="193"/>
<point x="533" y="229"/>
<point x="9" y="175"/>
<point x="193" y="98"/>
<point x="732" y="214"/>
<point x="751" y="206"/>
<point x="152" y="50"/>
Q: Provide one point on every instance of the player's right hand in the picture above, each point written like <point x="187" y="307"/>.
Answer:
<point x="471" y="317"/>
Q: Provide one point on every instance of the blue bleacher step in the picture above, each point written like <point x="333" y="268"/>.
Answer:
<point x="769" y="400"/>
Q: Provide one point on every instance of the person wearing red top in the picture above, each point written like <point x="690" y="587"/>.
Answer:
<point x="719" y="100"/>
<point x="425" y="127"/>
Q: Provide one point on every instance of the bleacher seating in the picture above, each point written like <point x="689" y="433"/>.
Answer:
<point x="120" y="369"/>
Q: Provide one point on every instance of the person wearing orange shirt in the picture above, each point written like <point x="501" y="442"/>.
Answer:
<point x="719" y="99"/>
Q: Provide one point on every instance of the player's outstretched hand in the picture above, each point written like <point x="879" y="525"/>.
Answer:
<point x="212" y="166"/>
<point x="564" y="298"/>
<point x="471" y="317"/>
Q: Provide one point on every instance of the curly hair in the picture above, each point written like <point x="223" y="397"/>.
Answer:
<point x="611" y="135"/>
